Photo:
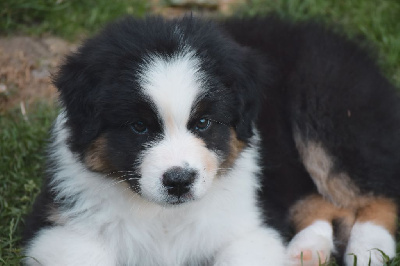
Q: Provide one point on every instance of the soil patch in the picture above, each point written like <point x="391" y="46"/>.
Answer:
<point x="26" y="67"/>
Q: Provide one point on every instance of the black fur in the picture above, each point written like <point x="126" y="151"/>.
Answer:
<point x="330" y="90"/>
<point x="110" y="61"/>
<point x="284" y="78"/>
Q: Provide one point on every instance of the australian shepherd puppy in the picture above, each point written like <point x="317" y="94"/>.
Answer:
<point x="189" y="142"/>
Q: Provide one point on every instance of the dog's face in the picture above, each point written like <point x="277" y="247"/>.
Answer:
<point x="154" y="104"/>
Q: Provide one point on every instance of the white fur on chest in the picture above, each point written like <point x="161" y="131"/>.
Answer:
<point x="129" y="230"/>
<point x="139" y="232"/>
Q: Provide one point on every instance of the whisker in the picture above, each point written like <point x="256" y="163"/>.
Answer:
<point x="122" y="171"/>
<point x="114" y="182"/>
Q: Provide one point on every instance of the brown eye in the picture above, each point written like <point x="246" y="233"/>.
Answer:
<point x="202" y="124"/>
<point x="139" y="127"/>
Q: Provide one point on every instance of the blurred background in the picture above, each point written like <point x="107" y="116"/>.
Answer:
<point x="35" y="35"/>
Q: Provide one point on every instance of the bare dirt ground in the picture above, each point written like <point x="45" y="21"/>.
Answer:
<point x="26" y="63"/>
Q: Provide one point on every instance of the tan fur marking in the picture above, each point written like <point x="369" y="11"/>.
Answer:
<point x="380" y="211"/>
<point x="96" y="156"/>
<point x="336" y="187"/>
<point x="210" y="162"/>
<point x="55" y="216"/>
<point x="305" y="212"/>
<point x="315" y="207"/>
<point x="235" y="148"/>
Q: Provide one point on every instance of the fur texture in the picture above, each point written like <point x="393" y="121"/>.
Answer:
<point x="189" y="142"/>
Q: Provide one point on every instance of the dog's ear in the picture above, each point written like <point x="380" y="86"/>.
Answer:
<point x="77" y="84"/>
<point x="250" y="82"/>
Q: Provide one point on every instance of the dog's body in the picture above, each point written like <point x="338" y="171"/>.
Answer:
<point x="181" y="142"/>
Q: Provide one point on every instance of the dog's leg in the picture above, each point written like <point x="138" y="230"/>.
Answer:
<point x="61" y="246"/>
<point x="262" y="246"/>
<point x="313" y="218"/>
<point x="373" y="232"/>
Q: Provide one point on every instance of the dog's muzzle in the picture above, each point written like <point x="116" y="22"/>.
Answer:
<point x="178" y="180"/>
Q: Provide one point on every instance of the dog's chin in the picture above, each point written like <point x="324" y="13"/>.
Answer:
<point x="174" y="201"/>
<point x="170" y="200"/>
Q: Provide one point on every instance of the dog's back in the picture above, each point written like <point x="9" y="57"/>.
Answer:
<point x="328" y="113"/>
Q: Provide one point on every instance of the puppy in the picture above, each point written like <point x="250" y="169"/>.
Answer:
<point x="188" y="142"/>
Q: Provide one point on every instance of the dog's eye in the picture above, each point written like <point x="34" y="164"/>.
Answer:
<point x="202" y="124"/>
<point x="139" y="127"/>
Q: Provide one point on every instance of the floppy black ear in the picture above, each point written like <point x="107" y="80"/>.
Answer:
<point x="252" y="78"/>
<point x="77" y="84"/>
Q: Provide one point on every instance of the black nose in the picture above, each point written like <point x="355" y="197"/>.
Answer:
<point x="178" y="180"/>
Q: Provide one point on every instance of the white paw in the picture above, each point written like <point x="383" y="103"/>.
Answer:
<point x="364" y="241"/>
<point x="258" y="248"/>
<point x="62" y="246"/>
<point x="312" y="245"/>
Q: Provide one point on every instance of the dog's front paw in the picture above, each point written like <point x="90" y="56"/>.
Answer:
<point x="260" y="247"/>
<point x="312" y="245"/>
<point x="366" y="242"/>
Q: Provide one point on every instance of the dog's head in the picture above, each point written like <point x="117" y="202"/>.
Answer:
<point x="166" y="106"/>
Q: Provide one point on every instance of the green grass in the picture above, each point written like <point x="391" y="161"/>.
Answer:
<point x="377" y="20"/>
<point x="66" y="18"/>
<point x="22" y="142"/>
<point x="21" y="168"/>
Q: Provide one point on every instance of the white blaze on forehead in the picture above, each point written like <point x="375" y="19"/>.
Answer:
<point x="173" y="84"/>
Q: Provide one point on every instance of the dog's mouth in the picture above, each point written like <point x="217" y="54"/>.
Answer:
<point x="177" y="200"/>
